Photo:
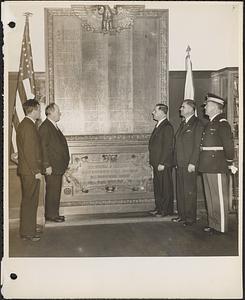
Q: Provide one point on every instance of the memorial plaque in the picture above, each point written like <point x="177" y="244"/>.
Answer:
<point x="107" y="79"/>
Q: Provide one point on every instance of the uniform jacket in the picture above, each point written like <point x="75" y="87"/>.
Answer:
<point x="29" y="148"/>
<point x="217" y="133"/>
<point x="161" y="145"/>
<point x="187" y="142"/>
<point x="54" y="148"/>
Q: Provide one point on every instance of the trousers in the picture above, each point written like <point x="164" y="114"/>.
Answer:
<point x="29" y="204"/>
<point x="217" y="197"/>
<point x="52" y="197"/>
<point x="186" y="194"/>
<point x="163" y="190"/>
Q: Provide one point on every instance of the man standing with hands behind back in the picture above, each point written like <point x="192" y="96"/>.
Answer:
<point x="55" y="161"/>
<point x="161" y="160"/>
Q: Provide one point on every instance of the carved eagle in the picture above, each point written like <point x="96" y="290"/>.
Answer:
<point x="103" y="18"/>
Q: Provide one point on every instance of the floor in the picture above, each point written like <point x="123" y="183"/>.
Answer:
<point x="126" y="235"/>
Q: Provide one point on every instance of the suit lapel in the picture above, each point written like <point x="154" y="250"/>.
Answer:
<point x="189" y="123"/>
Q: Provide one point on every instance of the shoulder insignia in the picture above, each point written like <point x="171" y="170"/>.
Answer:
<point x="223" y="120"/>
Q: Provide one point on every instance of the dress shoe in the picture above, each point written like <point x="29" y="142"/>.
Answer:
<point x="154" y="212"/>
<point x="56" y="219"/>
<point x="208" y="229"/>
<point x="32" y="238"/>
<point x="212" y="231"/>
<point x="176" y="220"/>
<point x="61" y="217"/>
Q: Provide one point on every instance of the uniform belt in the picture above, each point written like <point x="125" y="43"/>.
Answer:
<point x="212" y="148"/>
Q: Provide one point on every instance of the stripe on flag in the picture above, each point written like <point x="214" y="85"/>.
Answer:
<point x="25" y="84"/>
<point x="19" y="109"/>
<point x="14" y="140"/>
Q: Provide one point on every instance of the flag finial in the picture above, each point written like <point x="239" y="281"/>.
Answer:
<point x="27" y="15"/>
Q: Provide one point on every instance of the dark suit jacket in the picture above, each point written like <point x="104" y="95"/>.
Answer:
<point x="187" y="142"/>
<point x="217" y="134"/>
<point x="54" y="148"/>
<point x="161" y="145"/>
<point x="29" y="148"/>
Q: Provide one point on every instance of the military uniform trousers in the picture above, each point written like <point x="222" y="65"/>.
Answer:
<point x="29" y="204"/>
<point x="163" y="190"/>
<point x="186" y="192"/>
<point x="52" y="197"/>
<point x="217" y="197"/>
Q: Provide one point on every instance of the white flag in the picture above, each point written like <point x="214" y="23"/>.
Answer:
<point x="189" y="87"/>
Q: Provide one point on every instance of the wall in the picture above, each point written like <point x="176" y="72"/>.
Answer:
<point x="212" y="29"/>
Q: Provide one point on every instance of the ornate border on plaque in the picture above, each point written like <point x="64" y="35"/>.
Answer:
<point x="137" y="11"/>
<point x="106" y="202"/>
<point x="108" y="138"/>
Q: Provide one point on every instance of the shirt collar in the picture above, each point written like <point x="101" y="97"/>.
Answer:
<point x="160" y="121"/>
<point x="31" y="119"/>
<point x="188" y="118"/>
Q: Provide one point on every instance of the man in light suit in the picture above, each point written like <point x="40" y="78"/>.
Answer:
<point x="29" y="169"/>
<point x="55" y="161"/>
<point x="161" y="160"/>
<point x="186" y="158"/>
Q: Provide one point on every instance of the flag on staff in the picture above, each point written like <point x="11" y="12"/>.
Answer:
<point x="189" y="87"/>
<point x="25" y="83"/>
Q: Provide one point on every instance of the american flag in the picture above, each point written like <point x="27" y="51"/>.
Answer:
<point x="25" y="83"/>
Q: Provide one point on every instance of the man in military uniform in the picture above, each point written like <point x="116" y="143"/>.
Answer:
<point x="186" y="159"/>
<point x="216" y="157"/>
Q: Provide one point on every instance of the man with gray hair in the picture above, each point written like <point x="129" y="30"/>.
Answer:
<point x="55" y="161"/>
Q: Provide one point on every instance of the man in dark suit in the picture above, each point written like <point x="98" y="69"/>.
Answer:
<point x="161" y="160"/>
<point x="55" y="161"/>
<point x="216" y="158"/>
<point x="186" y="158"/>
<point x="29" y="169"/>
